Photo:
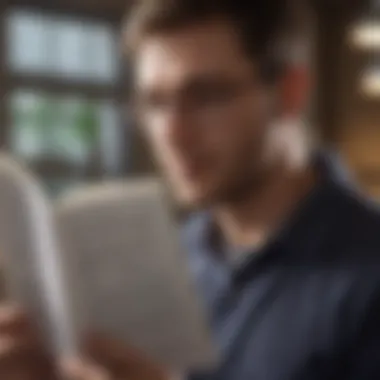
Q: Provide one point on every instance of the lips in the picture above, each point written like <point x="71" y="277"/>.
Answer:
<point x="191" y="169"/>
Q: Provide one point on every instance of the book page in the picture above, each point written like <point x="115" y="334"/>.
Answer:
<point x="130" y="274"/>
<point x="31" y="254"/>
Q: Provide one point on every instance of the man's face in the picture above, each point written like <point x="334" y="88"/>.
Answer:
<point x="203" y="110"/>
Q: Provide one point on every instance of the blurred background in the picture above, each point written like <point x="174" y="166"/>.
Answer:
<point x="64" y="84"/>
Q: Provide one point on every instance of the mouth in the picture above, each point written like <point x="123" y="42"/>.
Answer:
<point x="192" y="170"/>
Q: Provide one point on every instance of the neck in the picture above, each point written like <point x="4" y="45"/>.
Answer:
<point x="253" y="219"/>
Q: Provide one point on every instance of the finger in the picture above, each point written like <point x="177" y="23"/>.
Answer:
<point x="14" y="322"/>
<point x="20" y="341"/>
<point x="21" y="351"/>
<point x="111" y="353"/>
<point x="12" y="319"/>
<point x="122" y="360"/>
<point x="76" y="369"/>
<point x="8" y="345"/>
<point x="114" y="349"/>
<point x="21" y="357"/>
<point x="14" y="349"/>
<point x="11" y="346"/>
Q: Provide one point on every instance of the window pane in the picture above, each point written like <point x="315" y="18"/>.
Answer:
<point x="68" y="54"/>
<point x="62" y="47"/>
<point x="48" y="127"/>
<point x="101" y="50"/>
<point x="79" y="134"/>
<point x="28" y="42"/>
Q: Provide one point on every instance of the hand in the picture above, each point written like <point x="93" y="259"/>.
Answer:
<point x="111" y="361"/>
<point x="22" y="356"/>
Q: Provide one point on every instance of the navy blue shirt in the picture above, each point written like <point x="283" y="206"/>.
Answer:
<point x="307" y="305"/>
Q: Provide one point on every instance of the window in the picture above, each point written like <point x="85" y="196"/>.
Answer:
<point x="65" y="103"/>
<point x="62" y="47"/>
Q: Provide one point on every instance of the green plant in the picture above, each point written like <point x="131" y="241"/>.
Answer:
<point x="87" y="123"/>
<point x="55" y="127"/>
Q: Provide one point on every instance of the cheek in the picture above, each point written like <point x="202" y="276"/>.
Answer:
<point x="157" y="144"/>
<point x="166" y="155"/>
<point x="239" y="126"/>
<point x="240" y="141"/>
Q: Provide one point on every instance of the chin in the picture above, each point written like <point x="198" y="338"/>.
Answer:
<point x="194" y="199"/>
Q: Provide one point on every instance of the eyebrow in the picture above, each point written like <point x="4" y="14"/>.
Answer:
<point x="194" y="81"/>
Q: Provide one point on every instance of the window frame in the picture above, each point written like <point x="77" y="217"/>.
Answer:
<point x="11" y="82"/>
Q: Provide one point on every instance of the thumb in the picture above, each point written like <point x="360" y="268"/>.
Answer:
<point x="78" y="369"/>
<point x="123" y="359"/>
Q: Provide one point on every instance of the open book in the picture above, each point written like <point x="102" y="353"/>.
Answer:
<point x="106" y="258"/>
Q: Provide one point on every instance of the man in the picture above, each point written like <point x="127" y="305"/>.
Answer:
<point x="285" y="254"/>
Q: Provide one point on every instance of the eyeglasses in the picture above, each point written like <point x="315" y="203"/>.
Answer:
<point x="200" y="100"/>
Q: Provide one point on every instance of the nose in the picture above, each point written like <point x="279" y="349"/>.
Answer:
<point x="178" y="128"/>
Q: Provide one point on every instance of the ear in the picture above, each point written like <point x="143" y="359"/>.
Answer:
<point x="294" y="90"/>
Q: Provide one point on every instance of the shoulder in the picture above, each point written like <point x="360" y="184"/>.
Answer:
<point x="357" y="217"/>
<point x="353" y="255"/>
<point x="348" y="266"/>
<point x="357" y="224"/>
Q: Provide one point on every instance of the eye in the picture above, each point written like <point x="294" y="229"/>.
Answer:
<point x="212" y="93"/>
<point x="151" y="102"/>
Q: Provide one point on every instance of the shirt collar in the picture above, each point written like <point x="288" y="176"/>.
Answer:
<point x="305" y="227"/>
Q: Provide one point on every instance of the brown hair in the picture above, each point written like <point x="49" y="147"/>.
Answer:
<point x="262" y="25"/>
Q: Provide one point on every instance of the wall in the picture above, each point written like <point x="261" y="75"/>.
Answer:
<point x="352" y="121"/>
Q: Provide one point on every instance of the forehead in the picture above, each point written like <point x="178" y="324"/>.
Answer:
<point x="173" y="58"/>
